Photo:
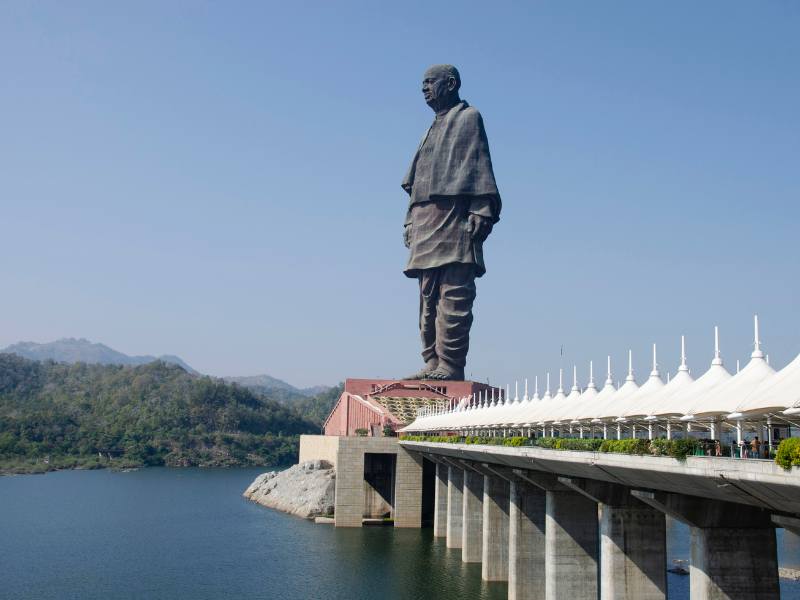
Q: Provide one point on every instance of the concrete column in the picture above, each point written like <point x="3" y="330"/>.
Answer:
<point x="440" y="501"/>
<point x="633" y="552"/>
<point x="633" y="542"/>
<point x="571" y="541"/>
<point x="731" y="563"/>
<point x="472" y="521"/>
<point x="733" y="554"/>
<point x="455" y="485"/>
<point x="408" y="490"/>
<point x="526" y="542"/>
<point x="495" y="529"/>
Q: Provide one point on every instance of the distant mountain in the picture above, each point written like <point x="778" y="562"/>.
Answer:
<point x="276" y="388"/>
<point x="72" y="350"/>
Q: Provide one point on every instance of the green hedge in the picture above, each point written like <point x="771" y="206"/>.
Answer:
<point x="788" y="454"/>
<point x="680" y="448"/>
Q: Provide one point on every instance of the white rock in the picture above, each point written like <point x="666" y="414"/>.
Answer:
<point x="306" y="490"/>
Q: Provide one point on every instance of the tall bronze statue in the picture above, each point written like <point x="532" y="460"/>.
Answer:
<point x="454" y="205"/>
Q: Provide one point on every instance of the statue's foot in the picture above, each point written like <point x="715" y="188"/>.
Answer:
<point x="425" y="373"/>
<point x="446" y="373"/>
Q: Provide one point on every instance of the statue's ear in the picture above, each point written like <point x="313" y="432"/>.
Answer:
<point x="451" y="84"/>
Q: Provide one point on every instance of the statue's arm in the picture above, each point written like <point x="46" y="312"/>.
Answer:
<point x="407" y="229"/>
<point x="482" y="215"/>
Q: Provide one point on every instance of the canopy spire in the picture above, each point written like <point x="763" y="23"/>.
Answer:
<point x="526" y="397"/>
<point x="757" y="353"/>
<point x="560" y="381"/>
<point x="609" y="380"/>
<point x="630" y="367"/>
<point x="548" y="384"/>
<point x="717" y="356"/>
<point x="516" y="391"/>
<point x="575" y="379"/>
<point x="654" y="372"/>
<point x="591" y="384"/>
<point x="684" y="367"/>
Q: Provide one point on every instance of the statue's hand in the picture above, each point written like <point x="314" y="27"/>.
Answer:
<point x="407" y="235"/>
<point x="479" y="227"/>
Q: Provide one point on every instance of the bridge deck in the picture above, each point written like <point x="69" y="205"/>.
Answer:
<point x="756" y="482"/>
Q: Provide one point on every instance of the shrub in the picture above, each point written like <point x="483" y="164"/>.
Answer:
<point x="628" y="446"/>
<point x="788" y="454"/>
<point x="682" y="448"/>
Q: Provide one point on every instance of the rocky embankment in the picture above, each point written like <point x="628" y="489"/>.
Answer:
<point x="306" y="490"/>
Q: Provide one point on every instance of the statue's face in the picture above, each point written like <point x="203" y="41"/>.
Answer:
<point x="437" y="84"/>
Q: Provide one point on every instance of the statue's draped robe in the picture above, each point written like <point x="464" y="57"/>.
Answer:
<point x="450" y="177"/>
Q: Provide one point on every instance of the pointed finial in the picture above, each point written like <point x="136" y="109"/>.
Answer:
<point x="717" y="356"/>
<point x="548" y="384"/>
<point x="630" y="366"/>
<point x="667" y="376"/>
<point x="536" y="388"/>
<point x="654" y="372"/>
<point x="737" y="365"/>
<point x="575" y="379"/>
<point x="560" y="381"/>
<point x="516" y="391"/>
<point x="757" y="353"/>
<point x="767" y="358"/>
<point x="526" y="398"/>
<point x="591" y="384"/>
<point x="683" y="367"/>
<point x="609" y="379"/>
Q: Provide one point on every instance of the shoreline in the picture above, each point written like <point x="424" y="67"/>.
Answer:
<point x="13" y="471"/>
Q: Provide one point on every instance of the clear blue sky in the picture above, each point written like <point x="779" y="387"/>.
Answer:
<point x="221" y="180"/>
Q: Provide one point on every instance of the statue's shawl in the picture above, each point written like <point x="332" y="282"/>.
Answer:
<point x="461" y="164"/>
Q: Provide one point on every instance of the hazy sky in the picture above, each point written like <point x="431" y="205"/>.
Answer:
<point x="221" y="180"/>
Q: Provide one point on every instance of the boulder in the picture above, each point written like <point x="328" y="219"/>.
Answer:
<point x="306" y="490"/>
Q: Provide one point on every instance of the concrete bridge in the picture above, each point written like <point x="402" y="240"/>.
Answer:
<point x="564" y="525"/>
<point x="574" y="525"/>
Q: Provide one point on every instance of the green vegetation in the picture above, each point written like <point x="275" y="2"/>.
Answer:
<point x="55" y="415"/>
<point x="317" y="408"/>
<point x="788" y="454"/>
<point x="661" y="447"/>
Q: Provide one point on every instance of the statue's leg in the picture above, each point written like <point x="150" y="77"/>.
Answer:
<point x="454" y="320"/>
<point x="428" y="300"/>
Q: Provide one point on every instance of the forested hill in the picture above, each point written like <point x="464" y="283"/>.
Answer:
<point x="65" y="415"/>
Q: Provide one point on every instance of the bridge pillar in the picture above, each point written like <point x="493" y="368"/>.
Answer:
<point x="526" y="541"/>
<point x="633" y="542"/>
<point x="495" y="529"/>
<point x="734" y="552"/>
<point x="526" y="536"/>
<point x="472" y="521"/>
<point x="455" y="487"/>
<point x="440" y="501"/>
<point x="571" y="540"/>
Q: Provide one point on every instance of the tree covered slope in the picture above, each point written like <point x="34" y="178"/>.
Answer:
<point x="65" y="415"/>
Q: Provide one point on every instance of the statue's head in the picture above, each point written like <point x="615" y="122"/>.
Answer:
<point x="440" y="86"/>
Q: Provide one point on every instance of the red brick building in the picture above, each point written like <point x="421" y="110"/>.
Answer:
<point x="371" y="404"/>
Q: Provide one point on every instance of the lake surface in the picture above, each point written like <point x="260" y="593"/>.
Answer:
<point x="188" y="533"/>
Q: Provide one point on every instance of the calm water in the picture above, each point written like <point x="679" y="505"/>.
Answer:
<point x="187" y="533"/>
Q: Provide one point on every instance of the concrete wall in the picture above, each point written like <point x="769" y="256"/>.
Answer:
<point x="349" y="507"/>
<point x="319" y="447"/>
